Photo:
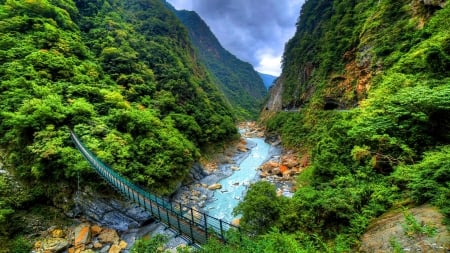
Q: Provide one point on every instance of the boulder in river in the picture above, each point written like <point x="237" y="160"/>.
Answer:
<point x="216" y="186"/>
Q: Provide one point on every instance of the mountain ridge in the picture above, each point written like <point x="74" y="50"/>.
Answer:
<point x="240" y="83"/>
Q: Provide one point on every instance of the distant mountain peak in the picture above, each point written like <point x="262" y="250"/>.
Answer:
<point x="268" y="79"/>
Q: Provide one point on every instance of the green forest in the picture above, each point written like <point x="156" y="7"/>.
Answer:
<point x="366" y="88"/>
<point x="238" y="81"/>
<point x="365" y="96"/>
<point x="122" y="75"/>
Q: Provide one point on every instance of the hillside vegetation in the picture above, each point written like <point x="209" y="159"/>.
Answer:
<point x="122" y="75"/>
<point x="239" y="82"/>
<point x="365" y="94"/>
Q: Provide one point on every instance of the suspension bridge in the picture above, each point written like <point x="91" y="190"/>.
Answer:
<point x="194" y="226"/>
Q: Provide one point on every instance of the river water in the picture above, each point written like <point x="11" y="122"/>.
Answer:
<point x="235" y="186"/>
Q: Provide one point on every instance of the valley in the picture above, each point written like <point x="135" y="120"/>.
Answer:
<point x="348" y="150"/>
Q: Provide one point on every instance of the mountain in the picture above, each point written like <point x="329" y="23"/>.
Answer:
<point x="123" y="75"/>
<point x="364" y="100"/>
<point x="267" y="79"/>
<point x="240" y="83"/>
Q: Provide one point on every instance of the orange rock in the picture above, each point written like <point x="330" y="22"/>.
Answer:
<point x="114" y="249"/>
<point x="123" y="244"/>
<point x="236" y="222"/>
<point x="283" y="168"/>
<point x="82" y="234"/>
<point x="95" y="230"/>
<point x="57" y="233"/>
<point x="268" y="166"/>
<point x="108" y="235"/>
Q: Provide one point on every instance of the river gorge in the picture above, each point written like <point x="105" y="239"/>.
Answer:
<point x="216" y="188"/>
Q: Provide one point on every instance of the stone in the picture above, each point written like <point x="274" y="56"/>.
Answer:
<point x="105" y="249"/>
<point x="236" y="222"/>
<point x="242" y="146"/>
<point x="290" y="161"/>
<point x="123" y="244"/>
<point x="216" y="186"/>
<point x="54" y="245"/>
<point x="283" y="169"/>
<point x="110" y="212"/>
<point x="82" y="234"/>
<point x="37" y="244"/>
<point x="95" y="230"/>
<point x="235" y="168"/>
<point x="97" y="245"/>
<point x="114" y="249"/>
<point x="378" y="237"/>
<point x="88" y="251"/>
<point x="268" y="166"/>
<point x="57" y="233"/>
<point x="108" y="235"/>
<point x="440" y="3"/>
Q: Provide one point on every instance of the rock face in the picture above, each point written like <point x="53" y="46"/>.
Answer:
<point x="422" y="231"/>
<point x="275" y="99"/>
<point x="112" y="213"/>
<point x="440" y="3"/>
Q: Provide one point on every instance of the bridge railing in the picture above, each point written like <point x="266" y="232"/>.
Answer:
<point x="193" y="224"/>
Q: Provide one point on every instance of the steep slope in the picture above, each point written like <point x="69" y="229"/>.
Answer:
<point x="122" y="75"/>
<point x="365" y="95"/>
<point x="240" y="83"/>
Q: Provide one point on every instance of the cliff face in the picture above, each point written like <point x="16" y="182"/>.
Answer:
<point x="341" y="47"/>
<point x="241" y="84"/>
<point x="365" y="94"/>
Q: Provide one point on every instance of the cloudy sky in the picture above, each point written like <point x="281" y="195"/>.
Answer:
<point x="253" y="30"/>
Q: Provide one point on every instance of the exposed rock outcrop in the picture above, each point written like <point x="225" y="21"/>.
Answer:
<point x="440" y="3"/>
<point x="392" y="232"/>
<point x="285" y="168"/>
<point x="110" y="212"/>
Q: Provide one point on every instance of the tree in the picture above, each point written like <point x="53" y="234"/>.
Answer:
<point x="260" y="208"/>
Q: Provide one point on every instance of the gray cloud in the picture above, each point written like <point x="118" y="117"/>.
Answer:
<point x="250" y="29"/>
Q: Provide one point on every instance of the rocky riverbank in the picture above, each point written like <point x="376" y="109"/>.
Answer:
<point x="103" y="223"/>
<point x="281" y="168"/>
<point x="108" y="224"/>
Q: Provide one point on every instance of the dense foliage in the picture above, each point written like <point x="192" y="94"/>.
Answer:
<point x="240" y="83"/>
<point x="121" y="74"/>
<point x="370" y="82"/>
